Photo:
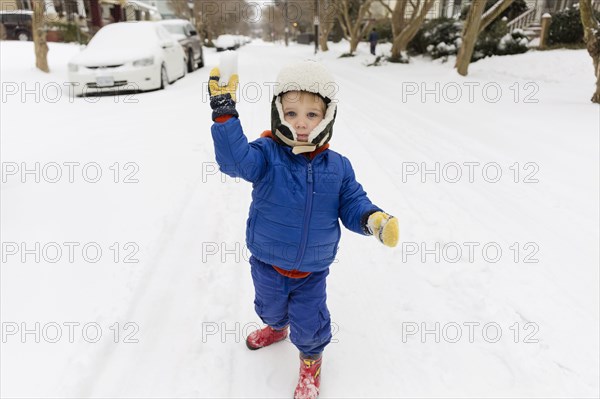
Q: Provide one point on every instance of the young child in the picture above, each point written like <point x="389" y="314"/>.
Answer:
<point x="300" y="190"/>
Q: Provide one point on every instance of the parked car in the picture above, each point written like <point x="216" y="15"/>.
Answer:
<point x="189" y="39"/>
<point x="226" y="42"/>
<point x="131" y="56"/>
<point x="17" y="24"/>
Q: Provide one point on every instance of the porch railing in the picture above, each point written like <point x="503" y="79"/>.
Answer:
<point x="524" y="20"/>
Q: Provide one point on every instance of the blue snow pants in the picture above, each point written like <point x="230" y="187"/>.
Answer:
<point x="299" y="302"/>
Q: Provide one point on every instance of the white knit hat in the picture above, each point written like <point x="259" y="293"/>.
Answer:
<point x="312" y="77"/>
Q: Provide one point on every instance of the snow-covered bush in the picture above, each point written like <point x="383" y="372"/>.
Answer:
<point x="566" y="27"/>
<point x="442" y="37"/>
<point x="513" y="43"/>
<point x="69" y="32"/>
<point x="438" y="38"/>
<point x="496" y="40"/>
<point x="488" y="40"/>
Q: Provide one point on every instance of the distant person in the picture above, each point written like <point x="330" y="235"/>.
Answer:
<point x="373" y="38"/>
<point x="301" y="189"/>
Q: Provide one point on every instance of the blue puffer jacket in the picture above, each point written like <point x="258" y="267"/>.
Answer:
<point x="296" y="202"/>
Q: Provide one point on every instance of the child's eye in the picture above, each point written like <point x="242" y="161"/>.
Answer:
<point x="312" y="115"/>
<point x="290" y="114"/>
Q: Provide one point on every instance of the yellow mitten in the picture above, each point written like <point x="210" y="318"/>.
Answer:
<point x="384" y="227"/>
<point x="222" y="98"/>
<point x="215" y="89"/>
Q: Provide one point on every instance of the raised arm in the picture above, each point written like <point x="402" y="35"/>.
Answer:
<point x="235" y="156"/>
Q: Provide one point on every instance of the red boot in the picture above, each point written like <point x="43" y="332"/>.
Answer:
<point x="265" y="337"/>
<point x="310" y="377"/>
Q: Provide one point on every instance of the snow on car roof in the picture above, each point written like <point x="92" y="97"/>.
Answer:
<point x="126" y="33"/>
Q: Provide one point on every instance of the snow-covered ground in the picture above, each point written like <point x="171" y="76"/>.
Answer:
<point x="171" y="294"/>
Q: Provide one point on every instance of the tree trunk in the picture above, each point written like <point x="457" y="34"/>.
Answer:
<point x="398" y="17"/>
<point x="354" y="40"/>
<point x="493" y="13"/>
<point x="323" y="38"/>
<point x="328" y="13"/>
<point x="596" y="96"/>
<point x="39" y="36"/>
<point x="591" y="30"/>
<point x="397" y="48"/>
<point x="351" y="24"/>
<point x="469" y="37"/>
<point x="400" y="43"/>
<point x="326" y="27"/>
<point x="404" y="30"/>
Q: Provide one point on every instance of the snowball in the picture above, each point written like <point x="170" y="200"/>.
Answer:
<point x="227" y="66"/>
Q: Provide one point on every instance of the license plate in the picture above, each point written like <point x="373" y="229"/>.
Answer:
<point x="105" y="81"/>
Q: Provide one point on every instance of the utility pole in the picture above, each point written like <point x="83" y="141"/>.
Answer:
<point x="316" y="19"/>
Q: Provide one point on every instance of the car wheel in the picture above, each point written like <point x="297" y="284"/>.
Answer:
<point x="23" y="36"/>
<point x="184" y="68"/>
<point x="191" y="65"/>
<point x="201" y="62"/>
<point x="164" y="78"/>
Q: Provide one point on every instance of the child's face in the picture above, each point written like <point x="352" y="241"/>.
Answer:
<point x="304" y="111"/>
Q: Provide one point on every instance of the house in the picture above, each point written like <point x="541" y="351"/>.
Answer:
<point x="97" y="12"/>
<point x="53" y="8"/>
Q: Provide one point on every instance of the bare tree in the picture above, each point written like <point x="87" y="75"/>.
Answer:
<point x="212" y="18"/>
<point x="39" y="36"/>
<point x="206" y="15"/>
<point x="328" y="14"/>
<point x="205" y="25"/>
<point x="591" y="29"/>
<point x="406" y="25"/>
<point x="273" y="22"/>
<point x="494" y="12"/>
<point x="355" y="19"/>
<point x="475" y="23"/>
<point x="180" y="8"/>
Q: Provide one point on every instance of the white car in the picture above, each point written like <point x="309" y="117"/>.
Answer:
<point x="127" y="56"/>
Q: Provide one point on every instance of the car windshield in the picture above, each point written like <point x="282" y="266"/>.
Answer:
<point x="15" y="17"/>
<point x="172" y="28"/>
<point x="125" y="35"/>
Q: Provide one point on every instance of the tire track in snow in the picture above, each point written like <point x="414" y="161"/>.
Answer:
<point x="87" y="385"/>
<point x="161" y="268"/>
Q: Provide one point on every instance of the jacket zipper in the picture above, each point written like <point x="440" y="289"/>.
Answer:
<point x="307" y="212"/>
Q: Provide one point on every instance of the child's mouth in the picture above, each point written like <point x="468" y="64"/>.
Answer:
<point x="303" y="137"/>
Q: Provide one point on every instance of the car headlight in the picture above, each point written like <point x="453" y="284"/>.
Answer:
<point x="73" y="67"/>
<point x="144" y="62"/>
